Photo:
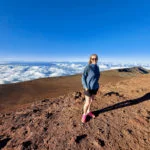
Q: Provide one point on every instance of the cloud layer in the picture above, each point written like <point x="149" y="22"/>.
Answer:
<point x="17" y="72"/>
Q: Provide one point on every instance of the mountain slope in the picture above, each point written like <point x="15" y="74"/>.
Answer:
<point x="17" y="94"/>
<point x="122" y="120"/>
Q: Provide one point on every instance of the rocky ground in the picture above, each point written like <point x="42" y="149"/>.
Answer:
<point x="122" y="120"/>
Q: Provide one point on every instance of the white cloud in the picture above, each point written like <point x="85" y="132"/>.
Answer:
<point x="11" y="73"/>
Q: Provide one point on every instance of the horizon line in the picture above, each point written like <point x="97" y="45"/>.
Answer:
<point x="62" y="61"/>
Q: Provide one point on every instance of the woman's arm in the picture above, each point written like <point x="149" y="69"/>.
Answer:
<point x="84" y="76"/>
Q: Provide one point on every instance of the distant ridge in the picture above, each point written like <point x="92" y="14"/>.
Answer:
<point x="140" y="70"/>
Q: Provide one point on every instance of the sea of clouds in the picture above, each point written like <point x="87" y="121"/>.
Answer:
<point x="21" y="71"/>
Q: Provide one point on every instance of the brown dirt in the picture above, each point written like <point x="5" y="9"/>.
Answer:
<point x="122" y="122"/>
<point x="17" y="94"/>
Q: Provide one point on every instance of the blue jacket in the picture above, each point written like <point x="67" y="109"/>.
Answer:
<point x="90" y="77"/>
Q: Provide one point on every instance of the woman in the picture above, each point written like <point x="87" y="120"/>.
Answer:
<point x="90" y="84"/>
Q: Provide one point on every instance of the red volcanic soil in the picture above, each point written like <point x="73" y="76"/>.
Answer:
<point x="122" y="109"/>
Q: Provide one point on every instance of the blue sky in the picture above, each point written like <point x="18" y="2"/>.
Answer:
<point x="71" y="30"/>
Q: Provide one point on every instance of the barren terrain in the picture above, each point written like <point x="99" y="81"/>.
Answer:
<point x="52" y="118"/>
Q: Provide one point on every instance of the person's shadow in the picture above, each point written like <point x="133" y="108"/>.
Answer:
<point x="131" y="102"/>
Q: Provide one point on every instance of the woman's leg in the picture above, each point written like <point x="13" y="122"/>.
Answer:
<point x="91" y="99"/>
<point x="86" y="108"/>
<point x="86" y="105"/>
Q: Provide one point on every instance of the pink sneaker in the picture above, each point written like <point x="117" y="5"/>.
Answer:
<point x="83" y="120"/>
<point x="91" y="114"/>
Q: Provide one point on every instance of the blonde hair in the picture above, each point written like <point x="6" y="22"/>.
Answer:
<point x="91" y="57"/>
